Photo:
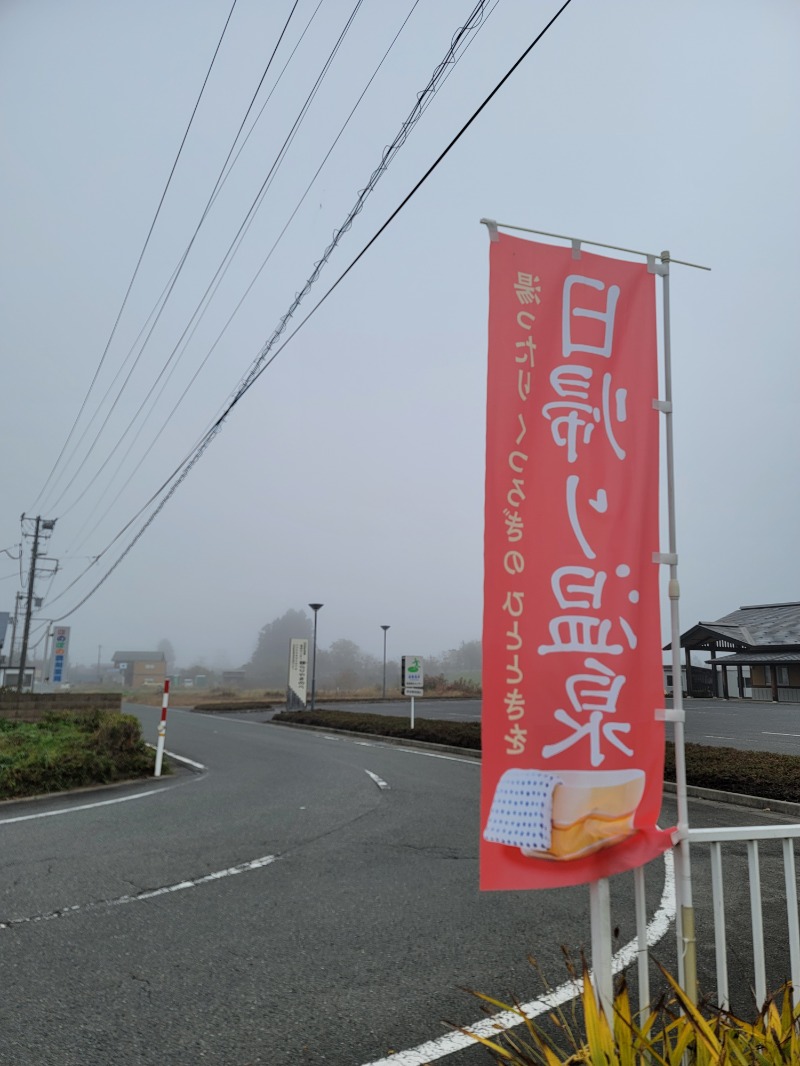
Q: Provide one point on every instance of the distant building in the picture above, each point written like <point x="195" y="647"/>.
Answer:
<point x="763" y="639"/>
<point x="702" y="681"/>
<point x="141" y="669"/>
<point x="233" y="678"/>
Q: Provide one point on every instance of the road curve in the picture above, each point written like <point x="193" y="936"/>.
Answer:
<point x="305" y="899"/>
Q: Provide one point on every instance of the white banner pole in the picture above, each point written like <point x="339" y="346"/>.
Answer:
<point x="602" y="976"/>
<point x="687" y="945"/>
<point x="412" y="712"/>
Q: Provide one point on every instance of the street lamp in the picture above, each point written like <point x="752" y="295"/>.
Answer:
<point x="314" y="607"/>
<point x="384" y="628"/>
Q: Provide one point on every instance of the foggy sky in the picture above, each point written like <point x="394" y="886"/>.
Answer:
<point x="352" y="472"/>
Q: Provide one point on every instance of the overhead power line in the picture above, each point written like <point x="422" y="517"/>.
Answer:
<point x="161" y="303"/>
<point x="180" y="474"/>
<point x="227" y="258"/>
<point x="139" y="261"/>
<point x="116" y="478"/>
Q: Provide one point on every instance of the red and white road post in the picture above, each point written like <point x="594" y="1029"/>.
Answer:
<point x="162" y="730"/>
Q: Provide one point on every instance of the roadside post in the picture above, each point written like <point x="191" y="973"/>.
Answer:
<point x="162" y="730"/>
<point x="413" y="676"/>
<point x="296" y="687"/>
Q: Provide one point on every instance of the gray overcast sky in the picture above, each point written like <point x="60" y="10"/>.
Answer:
<point x="352" y="472"/>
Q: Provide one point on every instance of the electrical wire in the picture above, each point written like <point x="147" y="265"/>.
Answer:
<point x="139" y="261"/>
<point x="230" y="253"/>
<point x="161" y="303"/>
<point x="260" y="366"/>
<point x="459" y="41"/>
<point x="220" y="182"/>
<point x="115" y="477"/>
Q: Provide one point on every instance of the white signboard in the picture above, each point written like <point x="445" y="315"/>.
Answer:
<point x="298" y="674"/>
<point x="413" y="675"/>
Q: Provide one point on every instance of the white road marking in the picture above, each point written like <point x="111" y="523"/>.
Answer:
<point x="768" y="734"/>
<point x="433" y="755"/>
<point x="243" y="867"/>
<point x="488" y="1027"/>
<point x="364" y="743"/>
<point x="378" y="780"/>
<point x="713" y="736"/>
<point x="181" y="758"/>
<point x="85" y="806"/>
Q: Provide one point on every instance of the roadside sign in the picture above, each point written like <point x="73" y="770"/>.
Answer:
<point x="298" y="674"/>
<point x="412" y="674"/>
<point x="58" y="666"/>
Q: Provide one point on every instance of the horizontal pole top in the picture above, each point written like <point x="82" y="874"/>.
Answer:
<point x="663" y="256"/>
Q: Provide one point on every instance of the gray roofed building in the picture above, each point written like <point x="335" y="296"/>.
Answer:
<point x="765" y="637"/>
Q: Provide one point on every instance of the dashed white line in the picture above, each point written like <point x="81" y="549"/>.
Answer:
<point x="378" y="780"/>
<point x="713" y="736"/>
<point x="768" y="734"/>
<point x="452" y="1042"/>
<point x="231" y="871"/>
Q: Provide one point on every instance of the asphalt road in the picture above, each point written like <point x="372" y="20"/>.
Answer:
<point x="298" y="910"/>
<point x="720" y="723"/>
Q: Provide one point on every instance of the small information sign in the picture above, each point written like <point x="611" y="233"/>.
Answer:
<point x="413" y="675"/>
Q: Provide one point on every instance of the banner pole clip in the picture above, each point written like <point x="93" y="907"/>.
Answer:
<point x="670" y="714"/>
<point x="491" y="225"/>
<point x="666" y="558"/>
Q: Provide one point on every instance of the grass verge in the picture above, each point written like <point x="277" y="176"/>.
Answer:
<point x="753" y="773"/>
<point x="65" y="751"/>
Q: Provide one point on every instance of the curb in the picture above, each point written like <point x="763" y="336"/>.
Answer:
<point x="108" y="786"/>
<point x="737" y="799"/>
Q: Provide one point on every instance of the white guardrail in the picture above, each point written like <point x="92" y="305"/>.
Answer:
<point x="752" y="835"/>
<point x="715" y="838"/>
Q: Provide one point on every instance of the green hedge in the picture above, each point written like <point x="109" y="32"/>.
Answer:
<point x="753" y="773"/>
<point x="64" y="751"/>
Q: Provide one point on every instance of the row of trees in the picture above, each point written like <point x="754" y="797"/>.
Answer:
<point x="344" y="665"/>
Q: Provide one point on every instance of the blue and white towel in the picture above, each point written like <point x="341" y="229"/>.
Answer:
<point x="522" y="810"/>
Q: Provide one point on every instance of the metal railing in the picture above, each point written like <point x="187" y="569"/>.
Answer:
<point x="752" y="835"/>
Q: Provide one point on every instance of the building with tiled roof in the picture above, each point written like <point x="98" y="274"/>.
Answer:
<point x="764" y="637"/>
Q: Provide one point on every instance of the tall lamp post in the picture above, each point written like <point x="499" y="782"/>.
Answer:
<point x="314" y="607"/>
<point x="384" y="628"/>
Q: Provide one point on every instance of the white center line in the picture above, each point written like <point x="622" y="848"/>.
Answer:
<point x="452" y="1042"/>
<point x="378" y="780"/>
<point x="713" y="736"/>
<point x="766" y="733"/>
<point x="243" y="867"/>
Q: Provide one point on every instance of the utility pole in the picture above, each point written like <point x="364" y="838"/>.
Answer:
<point x="28" y="606"/>
<point x="42" y="525"/>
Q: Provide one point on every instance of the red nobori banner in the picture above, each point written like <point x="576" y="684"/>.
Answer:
<point x="573" y="757"/>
